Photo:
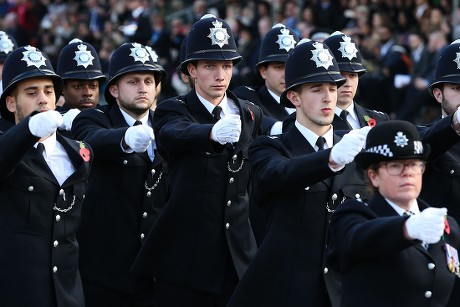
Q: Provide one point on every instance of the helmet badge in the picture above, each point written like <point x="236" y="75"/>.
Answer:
<point x="139" y="53"/>
<point x="457" y="60"/>
<point x="285" y="40"/>
<point x="400" y="139"/>
<point x="83" y="57"/>
<point x="153" y="54"/>
<point x="348" y="48"/>
<point x="218" y="35"/>
<point x="33" y="57"/>
<point x="6" y="45"/>
<point x="322" y="57"/>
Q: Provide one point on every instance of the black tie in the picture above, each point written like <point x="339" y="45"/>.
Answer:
<point x="320" y="143"/>
<point x="41" y="148"/>
<point x="343" y="116"/>
<point x="137" y="123"/>
<point x="216" y="113"/>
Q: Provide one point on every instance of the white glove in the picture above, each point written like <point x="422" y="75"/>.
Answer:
<point x="227" y="129"/>
<point x="45" y="123"/>
<point x="138" y="138"/>
<point x="349" y="146"/>
<point x="68" y="118"/>
<point x="428" y="226"/>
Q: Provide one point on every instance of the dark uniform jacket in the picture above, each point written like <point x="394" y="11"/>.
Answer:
<point x="379" y="266"/>
<point x="4" y="124"/>
<point x="204" y="225"/>
<point x="299" y="190"/>
<point x="125" y="193"/>
<point x="38" y="223"/>
<point x="362" y="114"/>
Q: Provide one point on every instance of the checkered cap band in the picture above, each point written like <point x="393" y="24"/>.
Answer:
<point x="382" y="150"/>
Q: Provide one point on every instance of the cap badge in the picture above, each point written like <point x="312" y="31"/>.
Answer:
<point x="153" y="54"/>
<point x="218" y="35"/>
<point x="139" y="53"/>
<point x="400" y="139"/>
<point x="348" y="48"/>
<point x="83" y="57"/>
<point x="457" y="59"/>
<point x="321" y="56"/>
<point x="6" y="45"/>
<point x="285" y="40"/>
<point x="33" y="57"/>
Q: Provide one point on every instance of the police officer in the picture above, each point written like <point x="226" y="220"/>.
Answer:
<point x="299" y="176"/>
<point x="79" y="66"/>
<point x="441" y="186"/>
<point x="43" y="177"/>
<point x="128" y="183"/>
<point x="394" y="250"/>
<point x="7" y="45"/>
<point x="274" y="50"/>
<point x="350" y="115"/>
<point x="202" y="242"/>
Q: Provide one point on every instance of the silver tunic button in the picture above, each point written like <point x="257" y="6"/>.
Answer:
<point x="149" y="194"/>
<point x="125" y="162"/>
<point x="142" y="236"/>
<point x="55" y="269"/>
<point x="30" y="188"/>
<point x="153" y="172"/>
<point x="326" y="270"/>
<point x="428" y="294"/>
<point x="61" y="191"/>
<point x="307" y="188"/>
<point x="227" y="226"/>
<point x="234" y="157"/>
<point x="231" y="180"/>
<point x="334" y="196"/>
<point x="229" y="203"/>
<point x="357" y="196"/>
<point x="144" y="215"/>
<point x="431" y="266"/>
<point x="55" y="243"/>
<point x="58" y="218"/>
<point x="452" y="171"/>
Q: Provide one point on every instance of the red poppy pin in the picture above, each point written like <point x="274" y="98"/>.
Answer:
<point x="446" y="226"/>
<point x="84" y="152"/>
<point x="251" y="113"/>
<point x="370" y="121"/>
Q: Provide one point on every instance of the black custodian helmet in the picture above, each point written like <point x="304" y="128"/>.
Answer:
<point x="276" y="44"/>
<point x="25" y="63"/>
<point x="310" y="62"/>
<point x="347" y="55"/>
<point x="79" y="60"/>
<point x="128" y="58"/>
<point x="210" y="38"/>
<point x="447" y="66"/>
<point x="7" y="45"/>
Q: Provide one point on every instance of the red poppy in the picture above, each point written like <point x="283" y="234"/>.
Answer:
<point x="84" y="152"/>
<point x="446" y="226"/>
<point x="251" y="113"/>
<point x="371" y="122"/>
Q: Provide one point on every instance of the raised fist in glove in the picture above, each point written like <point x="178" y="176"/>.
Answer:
<point x="68" y="118"/>
<point x="138" y="138"/>
<point x="227" y="129"/>
<point x="349" y="146"/>
<point x="428" y="226"/>
<point x="45" y="123"/>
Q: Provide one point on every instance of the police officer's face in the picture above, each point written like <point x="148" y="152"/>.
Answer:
<point x="448" y="95"/>
<point x="401" y="189"/>
<point x="37" y="94"/>
<point x="273" y="74"/>
<point x="315" y="104"/>
<point x="347" y="91"/>
<point x="212" y="78"/>
<point x="135" y="93"/>
<point x="81" y="94"/>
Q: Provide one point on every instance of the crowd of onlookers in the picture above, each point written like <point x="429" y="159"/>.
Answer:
<point x="394" y="36"/>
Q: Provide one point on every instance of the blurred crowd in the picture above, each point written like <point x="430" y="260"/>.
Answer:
<point x="399" y="39"/>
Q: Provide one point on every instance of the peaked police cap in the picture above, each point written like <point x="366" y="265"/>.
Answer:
<point x="210" y="38"/>
<point x="310" y="62"/>
<point x="25" y="63"/>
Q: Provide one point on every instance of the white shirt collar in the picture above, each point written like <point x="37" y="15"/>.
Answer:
<point x="49" y="143"/>
<point x="130" y="121"/>
<point x="354" y="122"/>
<point x="276" y="97"/>
<point x="413" y="207"/>
<point x="311" y="137"/>
<point x="227" y="108"/>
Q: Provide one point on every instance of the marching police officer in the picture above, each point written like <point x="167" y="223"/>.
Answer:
<point x="301" y="176"/>
<point x="441" y="186"/>
<point x="350" y="115"/>
<point x="128" y="184"/>
<point x="7" y="45"/>
<point x="79" y="67"/>
<point x="202" y="242"/>
<point x="43" y="178"/>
